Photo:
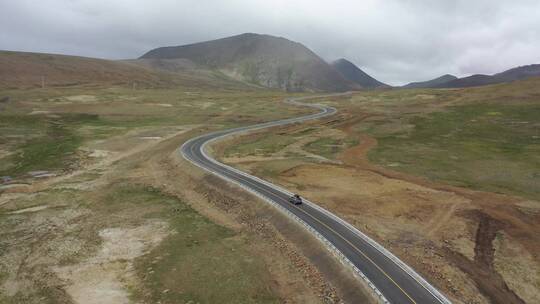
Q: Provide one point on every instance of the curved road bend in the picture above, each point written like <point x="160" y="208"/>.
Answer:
<point x="397" y="285"/>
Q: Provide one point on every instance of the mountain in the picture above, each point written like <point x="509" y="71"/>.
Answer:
<point x="518" y="73"/>
<point x="522" y="72"/>
<point x="449" y="81"/>
<point x="29" y="70"/>
<point x="431" y="83"/>
<point x="262" y="60"/>
<point x="351" y="72"/>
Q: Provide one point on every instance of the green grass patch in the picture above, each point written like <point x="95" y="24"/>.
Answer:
<point x="326" y="146"/>
<point x="54" y="144"/>
<point x="201" y="261"/>
<point x="263" y="144"/>
<point x="48" y="141"/>
<point x="329" y="147"/>
<point x="494" y="147"/>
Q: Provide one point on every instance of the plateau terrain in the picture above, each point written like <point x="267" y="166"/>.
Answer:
<point x="100" y="204"/>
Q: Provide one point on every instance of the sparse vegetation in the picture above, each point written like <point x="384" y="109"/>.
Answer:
<point x="98" y="134"/>
<point x="493" y="147"/>
<point x="60" y="123"/>
<point x="329" y="147"/>
<point x="401" y="155"/>
<point x="130" y="220"/>
<point x="262" y="145"/>
<point x="199" y="262"/>
<point x="52" y="143"/>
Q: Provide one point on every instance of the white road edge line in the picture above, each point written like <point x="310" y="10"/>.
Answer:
<point x="407" y="269"/>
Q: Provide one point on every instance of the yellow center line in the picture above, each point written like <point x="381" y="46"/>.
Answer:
<point x="338" y="234"/>
<point x="347" y="241"/>
<point x="360" y="251"/>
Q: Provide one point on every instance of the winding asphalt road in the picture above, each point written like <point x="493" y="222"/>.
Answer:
<point x="388" y="275"/>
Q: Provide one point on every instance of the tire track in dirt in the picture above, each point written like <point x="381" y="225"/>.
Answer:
<point x="481" y="269"/>
<point x="495" y="212"/>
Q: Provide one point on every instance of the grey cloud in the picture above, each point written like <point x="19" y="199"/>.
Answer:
<point x="395" y="41"/>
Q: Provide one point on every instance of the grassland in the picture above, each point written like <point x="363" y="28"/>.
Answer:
<point x="125" y="217"/>
<point x="481" y="138"/>
<point x="329" y="147"/>
<point x="42" y="129"/>
<point x="200" y="261"/>
<point x="263" y="145"/>
<point x="425" y="172"/>
<point x="50" y="145"/>
<point x="492" y="147"/>
<point x="197" y="261"/>
<point x="111" y="224"/>
<point x="299" y="142"/>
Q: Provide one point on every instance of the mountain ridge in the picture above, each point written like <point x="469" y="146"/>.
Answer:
<point x="265" y="60"/>
<point x="353" y="73"/>
<point x="517" y="73"/>
<point x="431" y="83"/>
<point x="450" y="81"/>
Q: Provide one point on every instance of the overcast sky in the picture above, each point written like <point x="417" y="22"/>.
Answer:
<point x="396" y="41"/>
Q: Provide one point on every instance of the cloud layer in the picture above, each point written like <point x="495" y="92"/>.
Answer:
<point x="397" y="41"/>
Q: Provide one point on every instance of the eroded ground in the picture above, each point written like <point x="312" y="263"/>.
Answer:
<point x="446" y="179"/>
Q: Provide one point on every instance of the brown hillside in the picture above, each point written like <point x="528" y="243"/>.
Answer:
<point x="26" y="70"/>
<point x="262" y="60"/>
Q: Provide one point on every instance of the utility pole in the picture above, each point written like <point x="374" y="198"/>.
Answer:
<point x="43" y="82"/>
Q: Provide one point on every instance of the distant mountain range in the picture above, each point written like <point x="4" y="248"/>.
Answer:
<point x="449" y="81"/>
<point x="352" y="73"/>
<point x="431" y="83"/>
<point x="247" y="61"/>
<point x="275" y="62"/>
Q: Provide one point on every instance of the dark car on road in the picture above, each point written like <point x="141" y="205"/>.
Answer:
<point x="295" y="199"/>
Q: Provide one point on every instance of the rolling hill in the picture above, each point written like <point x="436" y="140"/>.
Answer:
<point x="352" y="73"/>
<point x="28" y="70"/>
<point x="518" y="73"/>
<point x="450" y="81"/>
<point x="261" y="60"/>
